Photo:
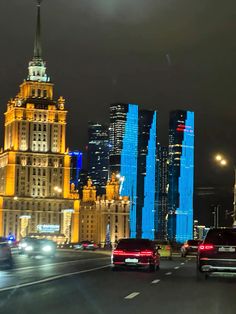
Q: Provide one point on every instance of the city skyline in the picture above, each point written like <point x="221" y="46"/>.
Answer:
<point x="168" y="71"/>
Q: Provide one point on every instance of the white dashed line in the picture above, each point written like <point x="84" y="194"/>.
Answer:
<point x="33" y="283"/>
<point x="182" y="264"/>
<point x="156" y="281"/>
<point x="132" y="295"/>
<point x="177" y="267"/>
<point x="168" y="274"/>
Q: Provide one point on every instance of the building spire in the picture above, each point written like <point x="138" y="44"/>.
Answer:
<point x="37" y="41"/>
<point x="37" y="67"/>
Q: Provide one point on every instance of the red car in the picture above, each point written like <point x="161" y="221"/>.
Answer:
<point x="136" y="253"/>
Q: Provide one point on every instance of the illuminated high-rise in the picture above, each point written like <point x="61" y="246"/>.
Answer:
<point x="133" y="158"/>
<point x="181" y="175"/>
<point x="162" y="183"/>
<point x="34" y="163"/>
<point x="98" y="155"/>
<point x="75" y="168"/>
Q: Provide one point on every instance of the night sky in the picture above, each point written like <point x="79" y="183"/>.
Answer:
<point x="161" y="54"/>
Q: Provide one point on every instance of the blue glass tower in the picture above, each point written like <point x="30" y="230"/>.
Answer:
<point x="133" y="157"/>
<point x="148" y="151"/>
<point x="181" y="176"/>
<point x="76" y="166"/>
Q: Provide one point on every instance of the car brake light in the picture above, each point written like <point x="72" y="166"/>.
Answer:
<point x="118" y="252"/>
<point x="206" y="247"/>
<point x="85" y="244"/>
<point x="146" y="253"/>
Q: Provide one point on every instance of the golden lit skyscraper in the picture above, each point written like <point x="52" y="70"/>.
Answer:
<point x="35" y="194"/>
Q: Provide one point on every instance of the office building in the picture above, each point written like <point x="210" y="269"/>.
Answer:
<point x="75" y="169"/>
<point x="162" y="178"/>
<point x="181" y="175"/>
<point x="98" y="155"/>
<point x="133" y="159"/>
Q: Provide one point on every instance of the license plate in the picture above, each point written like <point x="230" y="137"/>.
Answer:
<point x="226" y="249"/>
<point x="131" y="260"/>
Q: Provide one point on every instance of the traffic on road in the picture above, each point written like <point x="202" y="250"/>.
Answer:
<point x="83" y="281"/>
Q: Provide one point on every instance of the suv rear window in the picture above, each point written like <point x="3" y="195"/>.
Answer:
<point x="134" y="244"/>
<point x="221" y="237"/>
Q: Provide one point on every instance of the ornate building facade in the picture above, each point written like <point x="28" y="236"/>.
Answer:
<point x="104" y="219"/>
<point x="35" y="194"/>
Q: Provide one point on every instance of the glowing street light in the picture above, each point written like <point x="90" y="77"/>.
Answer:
<point x="218" y="157"/>
<point x="224" y="162"/>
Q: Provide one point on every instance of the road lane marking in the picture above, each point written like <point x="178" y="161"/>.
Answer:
<point x="177" y="267"/>
<point x="132" y="295"/>
<point x="37" y="282"/>
<point x="182" y="263"/>
<point x="59" y="263"/>
<point x="156" y="281"/>
<point x="168" y="274"/>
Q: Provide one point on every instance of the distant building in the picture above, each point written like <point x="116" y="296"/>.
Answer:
<point x="104" y="219"/>
<point x="181" y="175"/>
<point x="133" y="158"/>
<point x="75" y="168"/>
<point x="162" y="177"/>
<point x="98" y="155"/>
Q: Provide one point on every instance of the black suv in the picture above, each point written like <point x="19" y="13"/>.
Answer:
<point x="217" y="253"/>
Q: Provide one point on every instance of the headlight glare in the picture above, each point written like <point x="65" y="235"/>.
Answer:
<point x="47" y="248"/>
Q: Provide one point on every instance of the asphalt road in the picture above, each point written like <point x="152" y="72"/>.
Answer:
<point x="82" y="282"/>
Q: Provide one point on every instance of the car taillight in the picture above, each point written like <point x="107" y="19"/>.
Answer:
<point x="168" y="248"/>
<point x="118" y="252"/>
<point x="146" y="253"/>
<point x="85" y="244"/>
<point x="186" y="245"/>
<point x="205" y="247"/>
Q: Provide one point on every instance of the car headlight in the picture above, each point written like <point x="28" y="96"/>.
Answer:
<point x="47" y="248"/>
<point x="23" y="245"/>
<point x="29" y="248"/>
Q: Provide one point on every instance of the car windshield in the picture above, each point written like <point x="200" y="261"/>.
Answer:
<point x="134" y="244"/>
<point x="221" y="237"/>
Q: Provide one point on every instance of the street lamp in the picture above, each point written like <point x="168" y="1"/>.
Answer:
<point x="222" y="161"/>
